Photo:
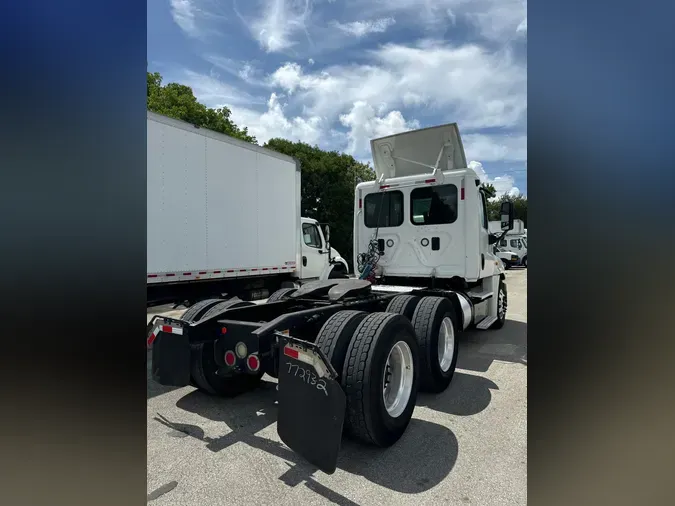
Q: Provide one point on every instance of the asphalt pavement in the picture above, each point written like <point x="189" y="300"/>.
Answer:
<point x="467" y="445"/>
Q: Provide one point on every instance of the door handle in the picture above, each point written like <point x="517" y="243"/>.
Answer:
<point x="304" y="261"/>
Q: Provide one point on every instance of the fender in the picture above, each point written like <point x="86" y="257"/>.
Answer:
<point x="339" y="265"/>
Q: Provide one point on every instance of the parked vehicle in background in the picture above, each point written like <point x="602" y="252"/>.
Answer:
<point x="352" y="353"/>
<point x="223" y="217"/>
<point x="509" y="258"/>
<point x="515" y="240"/>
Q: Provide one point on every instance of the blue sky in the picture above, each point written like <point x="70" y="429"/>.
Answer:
<point x="337" y="73"/>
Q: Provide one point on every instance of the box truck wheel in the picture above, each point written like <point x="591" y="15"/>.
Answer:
<point x="280" y="294"/>
<point x="525" y="261"/>
<point x="436" y="324"/>
<point x="380" y="378"/>
<point x="335" y="335"/>
<point x="404" y="304"/>
<point x="203" y="371"/>
<point x="502" y="304"/>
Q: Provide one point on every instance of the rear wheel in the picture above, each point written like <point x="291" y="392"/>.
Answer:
<point x="195" y="312"/>
<point x="525" y="262"/>
<point x="380" y="379"/>
<point x="404" y="304"/>
<point x="435" y="323"/>
<point x="336" y="334"/>
<point x="280" y="294"/>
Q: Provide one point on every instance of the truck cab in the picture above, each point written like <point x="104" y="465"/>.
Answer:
<point x="319" y="259"/>
<point x="426" y="214"/>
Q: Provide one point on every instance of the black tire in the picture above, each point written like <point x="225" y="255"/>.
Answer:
<point x="501" y="316"/>
<point x="334" y="337"/>
<point x="507" y="266"/>
<point x="226" y="304"/>
<point x="404" y="304"/>
<point x="203" y="372"/>
<point x="525" y="262"/>
<point x="280" y="294"/>
<point x="366" y="417"/>
<point x="427" y="320"/>
<point x="195" y="312"/>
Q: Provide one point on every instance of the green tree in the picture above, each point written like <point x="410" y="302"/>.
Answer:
<point x="519" y="207"/>
<point x="177" y="101"/>
<point x="328" y="182"/>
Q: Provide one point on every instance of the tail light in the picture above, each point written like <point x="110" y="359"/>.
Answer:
<point x="230" y="358"/>
<point x="253" y="362"/>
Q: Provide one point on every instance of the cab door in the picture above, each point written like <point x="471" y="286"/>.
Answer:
<point x="314" y="253"/>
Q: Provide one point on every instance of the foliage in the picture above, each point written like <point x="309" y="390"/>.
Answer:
<point x="489" y="189"/>
<point x="328" y="182"/>
<point x="177" y="101"/>
<point x="519" y="206"/>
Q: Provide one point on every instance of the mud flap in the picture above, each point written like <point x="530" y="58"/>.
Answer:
<point x="311" y="404"/>
<point x="171" y="360"/>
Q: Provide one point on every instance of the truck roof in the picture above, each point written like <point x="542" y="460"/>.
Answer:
<point x="418" y="152"/>
<point x="188" y="127"/>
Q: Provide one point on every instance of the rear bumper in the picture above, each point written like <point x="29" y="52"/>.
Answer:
<point x="311" y="401"/>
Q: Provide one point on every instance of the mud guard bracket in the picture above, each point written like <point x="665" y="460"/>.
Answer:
<point x="311" y="403"/>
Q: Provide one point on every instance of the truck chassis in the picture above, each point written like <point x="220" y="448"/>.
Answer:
<point x="349" y="356"/>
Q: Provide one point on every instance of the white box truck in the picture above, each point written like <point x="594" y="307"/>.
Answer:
<point x="223" y="217"/>
<point x="351" y="354"/>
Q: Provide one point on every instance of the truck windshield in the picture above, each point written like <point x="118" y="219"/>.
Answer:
<point x="383" y="209"/>
<point x="524" y="242"/>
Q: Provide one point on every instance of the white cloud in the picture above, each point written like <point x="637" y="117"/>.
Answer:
<point x="183" y="13"/>
<point x="364" y="124"/>
<point x="362" y="28"/>
<point x="504" y="185"/>
<point x="522" y="27"/>
<point x="274" y="123"/>
<point x="478" y="90"/>
<point x="243" y="70"/>
<point x="490" y="148"/>
<point x="279" y="24"/>
<point x="214" y="93"/>
<point x="310" y="61"/>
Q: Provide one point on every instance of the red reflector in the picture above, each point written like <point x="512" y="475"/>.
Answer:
<point x="223" y="330"/>
<point x="230" y="359"/>
<point x="230" y="270"/>
<point x="275" y="268"/>
<point x="253" y="362"/>
<point x="254" y="270"/>
<point x="187" y="274"/>
<point x="152" y="275"/>
<point x="151" y="339"/>
<point x="167" y="328"/>
<point x="429" y="180"/>
<point x="203" y="272"/>
<point x="384" y="187"/>
<point x="462" y="194"/>
<point x="360" y="203"/>
<point x="290" y="352"/>
<point x="216" y="272"/>
<point x="266" y="268"/>
<point x="242" y="270"/>
<point x="170" y="274"/>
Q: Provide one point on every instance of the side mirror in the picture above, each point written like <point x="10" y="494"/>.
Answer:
<point x="506" y="213"/>
<point x="326" y="229"/>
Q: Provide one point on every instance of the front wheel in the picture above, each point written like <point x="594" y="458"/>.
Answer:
<point x="525" y="262"/>
<point x="502" y="304"/>
<point x="380" y="379"/>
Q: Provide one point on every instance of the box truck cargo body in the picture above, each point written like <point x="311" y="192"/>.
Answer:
<point x="222" y="210"/>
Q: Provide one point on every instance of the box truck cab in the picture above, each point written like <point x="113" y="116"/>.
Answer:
<point x="319" y="259"/>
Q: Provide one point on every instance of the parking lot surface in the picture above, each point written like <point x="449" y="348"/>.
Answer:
<point x="467" y="445"/>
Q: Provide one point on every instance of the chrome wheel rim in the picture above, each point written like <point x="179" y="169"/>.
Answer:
<point x="446" y="344"/>
<point x="398" y="379"/>
<point x="501" y="304"/>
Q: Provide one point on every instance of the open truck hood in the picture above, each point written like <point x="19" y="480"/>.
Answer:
<point x="418" y="151"/>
